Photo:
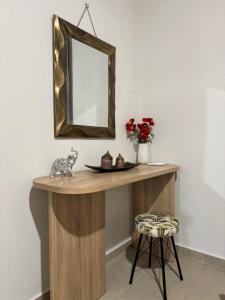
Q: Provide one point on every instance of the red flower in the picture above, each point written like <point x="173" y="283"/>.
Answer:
<point x="141" y="131"/>
<point x="130" y="127"/>
<point x="143" y="127"/>
<point x="144" y="130"/>
<point x="144" y="135"/>
<point x="131" y="121"/>
<point x="149" y="120"/>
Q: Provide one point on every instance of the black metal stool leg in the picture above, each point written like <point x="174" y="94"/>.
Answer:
<point x="135" y="260"/>
<point x="150" y="253"/>
<point x="176" y="256"/>
<point x="163" y="269"/>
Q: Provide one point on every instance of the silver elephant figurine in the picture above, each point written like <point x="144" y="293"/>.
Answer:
<point x="63" y="166"/>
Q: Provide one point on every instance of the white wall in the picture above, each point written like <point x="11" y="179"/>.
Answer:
<point x="182" y="72"/>
<point x="27" y="143"/>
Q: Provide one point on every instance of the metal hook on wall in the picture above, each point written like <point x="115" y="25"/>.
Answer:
<point x="86" y="8"/>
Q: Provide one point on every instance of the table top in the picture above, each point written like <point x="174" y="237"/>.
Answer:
<point x="89" y="181"/>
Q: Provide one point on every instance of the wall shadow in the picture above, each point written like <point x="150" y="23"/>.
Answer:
<point x="38" y="201"/>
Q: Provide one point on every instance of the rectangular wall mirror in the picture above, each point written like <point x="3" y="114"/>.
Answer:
<point x="84" y="83"/>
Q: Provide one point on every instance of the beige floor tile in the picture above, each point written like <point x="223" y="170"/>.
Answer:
<point x="198" y="293"/>
<point x="212" y="281"/>
<point x="109" y="296"/>
<point x="190" y="269"/>
<point x="126" y="257"/>
<point x="215" y="261"/>
<point x="144" y="288"/>
<point x="117" y="276"/>
<point x="177" y="289"/>
<point x="201" y="281"/>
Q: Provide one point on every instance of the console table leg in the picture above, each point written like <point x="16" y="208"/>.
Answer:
<point x="77" y="246"/>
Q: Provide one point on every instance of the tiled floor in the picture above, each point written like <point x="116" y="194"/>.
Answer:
<point x="201" y="281"/>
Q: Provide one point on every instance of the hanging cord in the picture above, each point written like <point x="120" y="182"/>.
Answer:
<point x="92" y="24"/>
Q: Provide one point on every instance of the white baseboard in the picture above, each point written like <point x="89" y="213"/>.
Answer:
<point x="42" y="296"/>
<point x="117" y="249"/>
<point x="201" y="256"/>
<point x="118" y="245"/>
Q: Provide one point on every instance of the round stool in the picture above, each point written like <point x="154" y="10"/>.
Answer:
<point x="156" y="225"/>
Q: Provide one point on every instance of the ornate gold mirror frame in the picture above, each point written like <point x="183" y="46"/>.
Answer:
<point x="63" y="31"/>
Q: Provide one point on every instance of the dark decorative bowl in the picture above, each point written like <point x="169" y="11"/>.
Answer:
<point x="126" y="167"/>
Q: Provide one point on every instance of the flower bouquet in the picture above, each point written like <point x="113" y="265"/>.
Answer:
<point x="142" y="134"/>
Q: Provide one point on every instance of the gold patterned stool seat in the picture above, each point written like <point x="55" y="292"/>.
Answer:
<point x="156" y="225"/>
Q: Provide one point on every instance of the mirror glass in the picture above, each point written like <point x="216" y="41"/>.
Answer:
<point x="89" y="88"/>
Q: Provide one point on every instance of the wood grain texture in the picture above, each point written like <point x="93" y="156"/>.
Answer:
<point x="154" y="195"/>
<point x="91" y="181"/>
<point x="77" y="250"/>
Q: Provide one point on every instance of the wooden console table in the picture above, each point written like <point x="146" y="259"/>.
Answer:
<point x="77" y="223"/>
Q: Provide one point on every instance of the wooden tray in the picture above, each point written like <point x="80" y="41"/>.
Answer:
<point x="127" y="166"/>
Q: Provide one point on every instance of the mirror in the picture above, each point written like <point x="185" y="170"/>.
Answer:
<point x="84" y="83"/>
<point x="89" y="85"/>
